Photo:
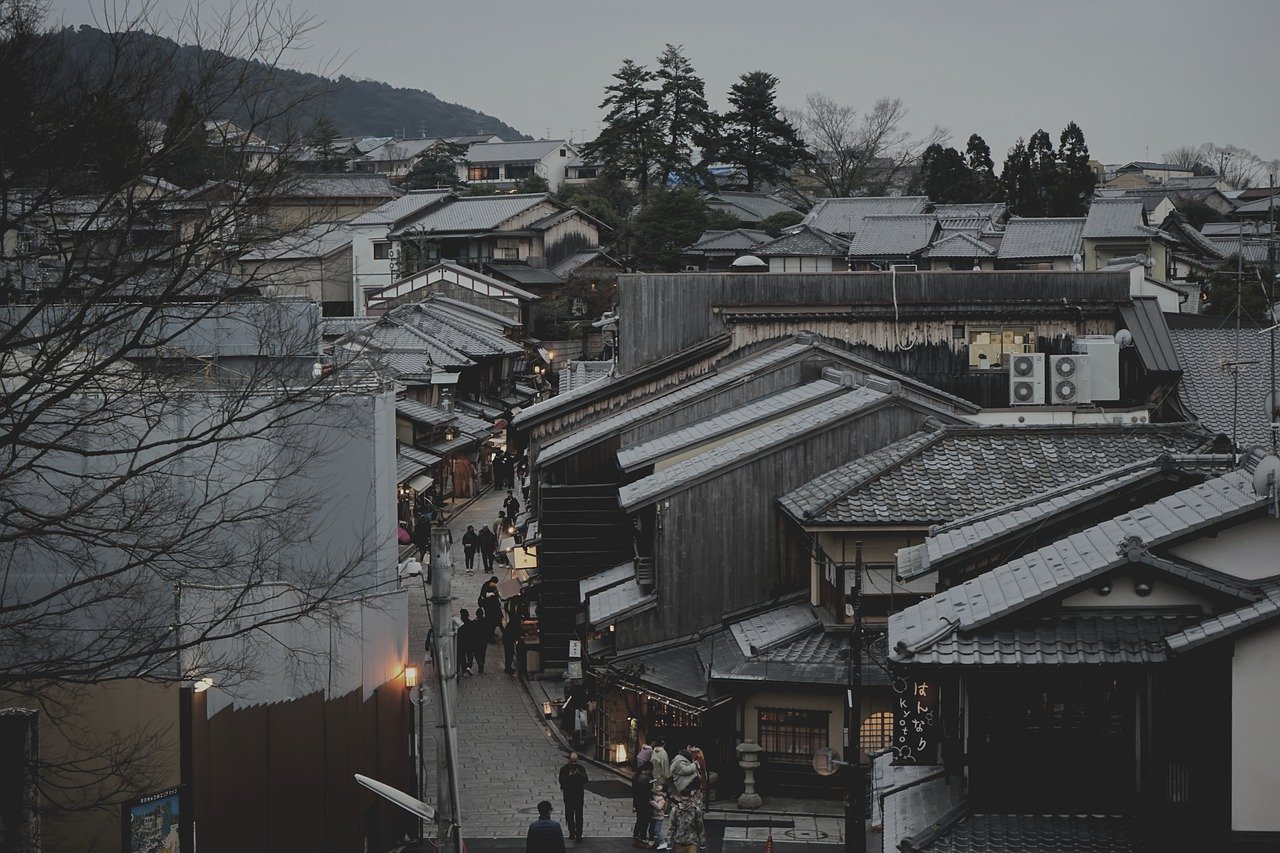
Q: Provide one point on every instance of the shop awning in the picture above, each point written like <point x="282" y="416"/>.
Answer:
<point x="421" y="482"/>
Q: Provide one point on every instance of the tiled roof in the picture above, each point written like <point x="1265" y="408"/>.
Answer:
<point x="421" y="412"/>
<point x="960" y="245"/>
<point x="472" y="213"/>
<point x="989" y="211"/>
<point x="1071" y="561"/>
<point x="910" y="798"/>
<point x="406" y="467"/>
<point x="1116" y="218"/>
<point x="340" y="185"/>
<point x="1232" y="230"/>
<point x="566" y="267"/>
<point x="939" y="476"/>
<point x="765" y="630"/>
<point x="686" y="473"/>
<point x="316" y="241"/>
<point x="1258" y="206"/>
<point x="1226" y="624"/>
<point x="579" y="373"/>
<point x="400" y="149"/>
<point x="525" y="274"/>
<point x="589" y="434"/>
<point x="1041" y="238"/>
<point x="893" y="236"/>
<point x="418" y="455"/>
<point x="961" y="536"/>
<point x="516" y="152"/>
<point x="844" y="216"/>
<point x="806" y="241"/>
<point x="1194" y="182"/>
<point x="1060" y="640"/>
<point x="1253" y="252"/>
<point x="738" y="239"/>
<point x="447" y="327"/>
<point x="734" y="420"/>
<point x="1208" y="389"/>
<point x="987" y="833"/>
<point x="407" y="205"/>
<point x="748" y="207"/>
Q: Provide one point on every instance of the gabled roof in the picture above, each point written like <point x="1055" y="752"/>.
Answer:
<point x="1042" y="237"/>
<point x="1117" y="218"/>
<point x="1177" y="225"/>
<point x="1228" y="624"/>
<point x="893" y="236"/>
<point x="937" y="476"/>
<point x="471" y="213"/>
<point x="1193" y="182"/>
<point x="737" y="240"/>
<point x="1208" y="390"/>
<point x="1164" y="167"/>
<point x="516" y="152"/>
<point x="844" y="216"/>
<point x="422" y="413"/>
<point x="337" y="185"/>
<point x="457" y="274"/>
<point x="409" y="204"/>
<point x="316" y="241"/>
<point x="989" y="211"/>
<point x="748" y="207"/>
<point x="524" y="274"/>
<point x="1072" y="561"/>
<point x="818" y="417"/>
<point x="1258" y="207"/>
<point x="960" y="245"/>
<point x="400" y="149"/>
<point x="734" y="420"/>
<point x="569" y="265"/>
<point x="805" y="241"/>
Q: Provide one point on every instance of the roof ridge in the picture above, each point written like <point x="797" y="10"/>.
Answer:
<point x="924" y="438"/>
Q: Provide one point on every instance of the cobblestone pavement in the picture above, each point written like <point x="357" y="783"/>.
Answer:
<point x="508" y="759"/>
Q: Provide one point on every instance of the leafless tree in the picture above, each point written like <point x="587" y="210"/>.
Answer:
<point x="163" y="422"/>
<point x="1237" y="166"/>
<point x="861" y="154"/>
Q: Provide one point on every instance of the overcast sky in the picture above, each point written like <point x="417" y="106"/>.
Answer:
<point x="1140" y="76"/>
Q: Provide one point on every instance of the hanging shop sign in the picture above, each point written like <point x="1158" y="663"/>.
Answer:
<point x="916" y="729"/>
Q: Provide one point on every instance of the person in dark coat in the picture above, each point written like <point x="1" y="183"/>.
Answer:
<point x="491" y="612"/>
<point x="642" y="804"/>
<point x="478" y="637"/>
<point x="488" y="544"/>
<point x="510" y="637"/>
<point x="573" y="784"/>
<point x="464" y="642"/>
<point x="545" y="834"/>
<point x="470" y="544"/>
<point x="512" y="506"/>
<point x="422" y="535"/>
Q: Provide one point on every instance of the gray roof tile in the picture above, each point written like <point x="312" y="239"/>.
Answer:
<point x="807" y="241"/>
<point x="316" y="241"/>
<point x="938" y="476"/>
<point x="983" y="833"/>
<point x="1116" y="218"/>
<point x="893" y="236"/>
<point x="1071" y="561"/>
<point x="748" y="207"/>
<point x="472" y="213"/>
<point x="422" y="413"/>
<point x="516" y="152"/>
<point x="1226" y="624"/>
<point x="844" y="216"/>
<point x="408" y="204"/>
<point x="960" y="245"/>
<point x="737" y="240"/>
<point x="1027" y="239"/>
<point x="1209" y="381"/>
<point x="683" y="474"/>
<point x="338" y="185"/>
<point x="763" y="631"/>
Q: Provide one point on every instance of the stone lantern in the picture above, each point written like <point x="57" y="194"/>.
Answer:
<point x="749" y="761"/>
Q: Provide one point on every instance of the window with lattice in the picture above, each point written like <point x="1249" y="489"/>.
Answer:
<point x="792" y="734"/>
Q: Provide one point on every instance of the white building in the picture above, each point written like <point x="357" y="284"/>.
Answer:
<point x="503" y="164"/>
<point x="372" y="254"/>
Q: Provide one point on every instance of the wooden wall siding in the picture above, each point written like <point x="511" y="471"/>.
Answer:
<point x="677" y="307"/>
<point x="723" y="545"/>
<point x="281" y="776"/>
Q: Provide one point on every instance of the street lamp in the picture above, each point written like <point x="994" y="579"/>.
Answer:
<point x="411" y="676"/>
<point x="416" y="707"/>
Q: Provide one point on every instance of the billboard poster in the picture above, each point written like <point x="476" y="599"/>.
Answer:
<point x="153" y="823"/>
<point x="915" y="720"/>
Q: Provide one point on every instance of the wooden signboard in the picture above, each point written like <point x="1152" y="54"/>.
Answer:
<point x="916" y="732"/>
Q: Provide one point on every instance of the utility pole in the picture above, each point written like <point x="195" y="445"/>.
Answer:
<point x="855" y="803"/>
<point x="448" y="807"/>
<point x="1273" y="398"/>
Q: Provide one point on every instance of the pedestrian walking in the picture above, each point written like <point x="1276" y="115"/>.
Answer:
<point x="659" y="803"/>
<point x="511" y="506"/>
<point x="491" y="611"/>
<point x="478" y="642"/>
<point x="645" y="754"/>
<point x="685" y="830"/>
<point x="661" y="763"/>
<point x="510" y="637"/>
<point x="488" y="544"/>
<point x="642" y="804"/>
<point x="422" y="534"/>
<point x="464" y="642"/>
<point x="470" y="544"/>
<point x="545" y="834"/>
<point x="500" y="526"/>
<point x="573" y="785"/>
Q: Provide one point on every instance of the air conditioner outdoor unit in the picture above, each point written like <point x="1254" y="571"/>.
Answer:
<point x="1026" y="379"/>
<point x="1069" y="380"/>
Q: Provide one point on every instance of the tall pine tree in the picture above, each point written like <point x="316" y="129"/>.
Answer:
<point x="945" y="176"/>
<point x="437" y="168"/>
<point x="755" y="137"/>
<point x="1042" y="160"/>
<point x="185" y="157"/>
<point x="629" y="142"/>
<point x="978" y="157"/>
<point x="1016" y="180"/>
<point x="1076" y="179"/>
<point x="686" y="124"/>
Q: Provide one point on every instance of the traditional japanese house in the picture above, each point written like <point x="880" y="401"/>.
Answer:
<point x="1110" y="690"/>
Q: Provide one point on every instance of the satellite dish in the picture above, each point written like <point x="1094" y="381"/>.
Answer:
<point x="400" y="798"/>
<point x="749" y="262"/>
<point x="1124" y="338"/>
<point x="1266" y="475"/>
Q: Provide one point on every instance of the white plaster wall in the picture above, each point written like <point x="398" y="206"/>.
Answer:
<point x="1255" y="749"/>
<point x="1250" y="550"/>
<point x="366" y="271"/>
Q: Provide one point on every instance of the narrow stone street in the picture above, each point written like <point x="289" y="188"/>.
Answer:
<point x="508" y="759"/>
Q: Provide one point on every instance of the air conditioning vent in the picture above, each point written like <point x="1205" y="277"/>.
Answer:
<point x="1026" y="379"/>
<point x="1069" y="380"/>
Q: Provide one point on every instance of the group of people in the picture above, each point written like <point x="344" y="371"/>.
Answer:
<point x="504" y="470"/>
<point x="485" y="540"/>
<point x="488" y="627"/>
<point x="667" y="795"/>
